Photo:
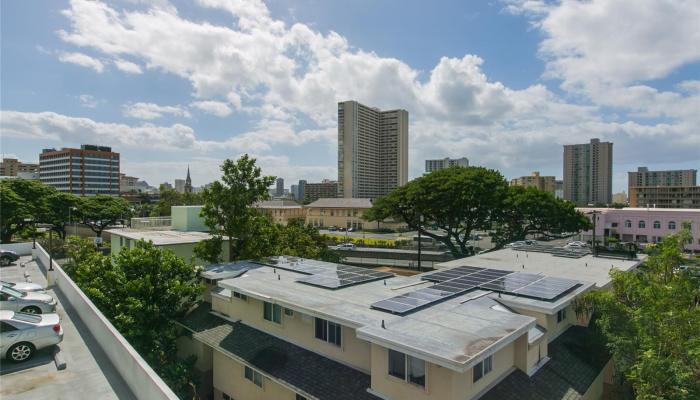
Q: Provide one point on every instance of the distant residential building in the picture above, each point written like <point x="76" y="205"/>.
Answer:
<point x="644" y="225"/>
<point x="372" y="150"/>
<point x="279" y="185"/>
<point x="620" y="198"/>
<point x="643" y="177"/>
<point x="128" y="183"/>
<point x="281" y="211"/>
<point x="87" y="171"/>
<point x="665" y="196"/>
<point x="294" y="191"/>
<point x="559" y="189"/>
<point x="188" y="182"/>
<point x="325" y="189"/>
<point x="12" y="167"/>
<point x="588" y="172"/>
<point x="301" y="191"/>
<point x="434" y="165"/>
<point x="543" y="183"/>
<point x="180" y="185"/>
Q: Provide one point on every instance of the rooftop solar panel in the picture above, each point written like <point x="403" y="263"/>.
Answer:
<point x="547" y="288"/>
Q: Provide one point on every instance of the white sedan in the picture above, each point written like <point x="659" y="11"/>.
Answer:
<point x="22" y="334"/>
<point x="29" y="302"/>
<point x="23" y="286"/>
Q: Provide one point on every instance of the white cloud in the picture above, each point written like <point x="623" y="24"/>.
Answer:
<point x="128" y="66"/>
<point x="88" y="101"/>
<point x="83" y="60"/>
<point x="149" y="111"/>
<point x="217" y="108"/>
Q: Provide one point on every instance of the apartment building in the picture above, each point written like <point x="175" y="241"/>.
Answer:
<point x="87" y="171"/>
<point x="543" y="183"/>
<point x="279" y="187"/>
<point x="483" y="327"/>
<point x="644" y="225"/>
<point x="311" y="192"/>
<point x="434" y="165"/>
<point x="281" y="211"/>
<point x="372" y="150"/>
<point x="665" y="196"/>
<point x="14" y="167"/>
<point x="643" y="178"/>
<point x="588" y="172"/>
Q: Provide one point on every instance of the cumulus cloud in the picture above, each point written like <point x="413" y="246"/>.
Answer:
<point x="88" y="101"/>
<point x="149" y="111"/>
<point x="83" y="60"/>
<point x="128" y="66"/>
<point x="217" y="108"/>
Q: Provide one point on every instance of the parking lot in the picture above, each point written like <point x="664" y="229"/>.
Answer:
<point x="88" y="373"/>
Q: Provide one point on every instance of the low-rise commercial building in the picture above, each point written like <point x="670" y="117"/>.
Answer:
<point x="14" y="167"/>
<point x="544" y="183"/>
<point x="293" y="328"/>
<point x="643" y="225"/>
<point x="281" y="211"/>
<point x="665" y="196"/>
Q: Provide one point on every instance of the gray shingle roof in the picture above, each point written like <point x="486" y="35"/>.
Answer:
<point x="576" y="360"/>
<point x="314" y="374"/>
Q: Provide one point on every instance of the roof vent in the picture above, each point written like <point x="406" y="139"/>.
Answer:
<point x="383" y="325"/>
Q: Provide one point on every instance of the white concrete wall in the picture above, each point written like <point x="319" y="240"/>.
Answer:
<point x="23" y="249"/>
<point x="137" y="374"/>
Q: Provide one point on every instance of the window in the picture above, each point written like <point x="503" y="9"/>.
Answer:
<point x="642" y="224"/>
<point x="410" y="369"/>
<point x="561" y="315"/>
<point x="225" y="396"/>
<point x="288" y="312"/>
<point x="5" y="327"/>
<point x="327" y="331"/>
<point x="672" y="225"/>
<point x="483" y="368"/>
<point x="628" y="223"/>
<point x="657" y="225"/>
<point x="240" y="296"/>
<point x="253" y="376"/>
<point x="272" y="312"/>
<point x="299" y="397"/>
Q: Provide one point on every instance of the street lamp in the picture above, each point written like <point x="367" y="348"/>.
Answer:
<point x="75" y="227"/>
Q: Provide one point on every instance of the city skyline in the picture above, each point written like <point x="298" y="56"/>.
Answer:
<point x="165" y="108"/>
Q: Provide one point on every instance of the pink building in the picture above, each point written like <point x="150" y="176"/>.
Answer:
<point x="644" y="225"/>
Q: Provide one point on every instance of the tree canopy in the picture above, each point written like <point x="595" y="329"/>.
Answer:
<point x="651" y="320"/>
<point x="100" y="211"/>
<point x="22" y="203"/>
<point x="227" y="208"/>
<point x="170" y="197"/>
<point x="142" y="291"/>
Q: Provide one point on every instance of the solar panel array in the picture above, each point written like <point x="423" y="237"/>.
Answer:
<point x="325" y="274"/>
<point x="554" y="250"/>
<point x="456" y="281"/>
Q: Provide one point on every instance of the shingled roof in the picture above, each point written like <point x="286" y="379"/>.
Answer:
<point x="576" y="360"/>
<point x="302" y="369"/>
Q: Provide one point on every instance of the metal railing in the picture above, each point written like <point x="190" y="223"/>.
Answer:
<point x="151" y="223"/>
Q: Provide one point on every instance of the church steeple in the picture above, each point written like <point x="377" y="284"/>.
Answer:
<point x="188" y="181"/>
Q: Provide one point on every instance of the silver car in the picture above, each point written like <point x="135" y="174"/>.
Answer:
<point x="23" y="286"/>
<point x="22" y="334"/>
<point x="28" y="302"/>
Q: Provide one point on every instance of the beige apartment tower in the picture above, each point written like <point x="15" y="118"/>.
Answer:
<point x="588" y="172"/>
<point x="372" y="150"/>
<point x="544" y="183"/>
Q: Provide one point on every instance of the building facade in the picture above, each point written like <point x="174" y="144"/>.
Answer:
<point x="14" y="167"/>
<point x="325" y="189"/>
<point x="180" y="185"/>
<point x="559" y="189"/>
<point x="643" y="177"/>
<point x="588" y="172"/>
<point x="543" y="183"/>
<point x="282" y="211"/>
<point x="372" y="150"/>
<point x="434" y="165"/>
<point x="87" y="171"/>
<point x="279" y="187"/>
<point x="665" y="196"/>
<point x="643" y="225"/>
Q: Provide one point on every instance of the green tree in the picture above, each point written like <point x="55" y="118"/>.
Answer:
<point x="227" y="203"/>
<point x="209" y="250"/>
<point x="456" y="200"/>
<point x="22" y="200"/>
<point x="142" y="291"/>
<point x="530" y="211"/>
<point x="651" y="321"/>
<point x="301" y="240"/>
<point x="170" y="197"/>
<point x="58" y="205"/>
<point x="99" y="212"/>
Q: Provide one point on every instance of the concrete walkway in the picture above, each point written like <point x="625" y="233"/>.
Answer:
<point x="88" y="375"/>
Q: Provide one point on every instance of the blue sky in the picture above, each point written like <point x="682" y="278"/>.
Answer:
<point x="504" y="83"/>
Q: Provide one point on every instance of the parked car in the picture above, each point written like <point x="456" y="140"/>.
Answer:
<point x="28" y="302"/>
<point x="7" y="257"/>
<point x="23" y="286"/>
<point x="578" y="243"/>
<point x="22" y="334"/>
<point x="519" y="243"/>
<point x="530" y="242"/>
<point x="332" y="229"/>
<point x="345" y="246"/>
<point x="575" y="246"/>
<point x="350" y="229"/>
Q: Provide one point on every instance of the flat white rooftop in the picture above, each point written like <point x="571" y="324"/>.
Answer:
<point x="161" y="238"/>
<point x="455" y="333"/>
<point x="587" y="268"/>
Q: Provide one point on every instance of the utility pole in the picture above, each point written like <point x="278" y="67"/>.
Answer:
<point x="420" y="239"/>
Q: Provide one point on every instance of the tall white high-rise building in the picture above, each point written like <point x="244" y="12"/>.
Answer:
<point x="588" y="172"/>
<point x="372" y="150"/>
